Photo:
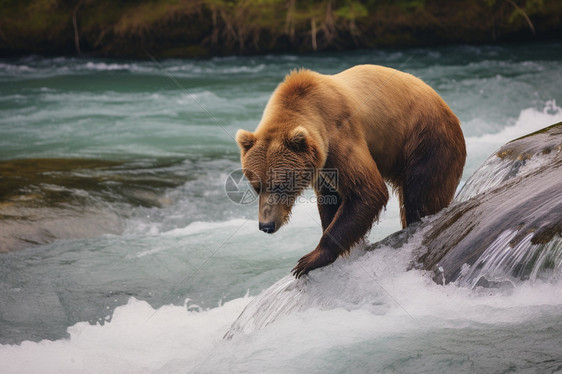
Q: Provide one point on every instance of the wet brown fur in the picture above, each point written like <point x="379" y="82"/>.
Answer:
<point x="371" y="124"/>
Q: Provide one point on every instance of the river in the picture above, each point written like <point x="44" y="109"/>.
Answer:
<point x="138" y="261"/>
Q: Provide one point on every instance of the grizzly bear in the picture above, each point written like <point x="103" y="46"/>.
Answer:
<point x="370" y="124"/>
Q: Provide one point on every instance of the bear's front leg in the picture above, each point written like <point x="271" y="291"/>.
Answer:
<point x="328" y="202"/>
<point x="352" y="221"/>
<point x="318" y="258"/>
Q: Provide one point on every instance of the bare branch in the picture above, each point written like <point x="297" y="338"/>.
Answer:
<point x="75" y="26"/>
<point x="524" y="14"/>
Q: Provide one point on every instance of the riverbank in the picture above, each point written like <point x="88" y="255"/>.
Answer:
<point x="204" y="28"/>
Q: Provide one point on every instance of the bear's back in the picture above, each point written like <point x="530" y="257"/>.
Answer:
<point x="391" y="107"/>
<point x="385" y="94"/>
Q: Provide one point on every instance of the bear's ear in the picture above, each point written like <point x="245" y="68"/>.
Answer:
<point x="297" y="138"/>
<point x="245" y="140"/>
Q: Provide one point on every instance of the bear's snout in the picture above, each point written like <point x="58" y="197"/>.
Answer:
<point x="268" y="227"/>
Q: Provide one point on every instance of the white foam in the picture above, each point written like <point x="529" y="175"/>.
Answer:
<point x="529" y="120"/>
<point x="13" y="68"/>
<point x="104" y="66"/>
<point x="138" y="339"/>
<point x="215" y="69"/>
<point x="372" y="299"/>
<point x="359" y="300"/>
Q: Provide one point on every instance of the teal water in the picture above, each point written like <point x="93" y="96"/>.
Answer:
<point x="157" y="290"/>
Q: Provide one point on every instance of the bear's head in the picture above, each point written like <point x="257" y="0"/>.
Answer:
<point x="280" y="165"/>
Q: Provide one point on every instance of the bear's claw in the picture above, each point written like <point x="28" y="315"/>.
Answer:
<point x="314" y="260"/>
<point x="300" y="270"/>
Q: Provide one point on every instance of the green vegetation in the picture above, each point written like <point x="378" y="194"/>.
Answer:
<point x="198" y="28"/>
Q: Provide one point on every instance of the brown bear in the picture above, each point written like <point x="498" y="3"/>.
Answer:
<point x="370" y="124"/>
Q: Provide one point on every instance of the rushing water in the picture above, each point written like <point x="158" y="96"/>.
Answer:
<point x="165" y="262"/>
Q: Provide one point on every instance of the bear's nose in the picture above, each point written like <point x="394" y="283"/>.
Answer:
<point x="268" y="227"/>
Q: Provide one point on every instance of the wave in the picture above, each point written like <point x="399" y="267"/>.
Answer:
<point x="374" y="304"/>
<point x="214" y="68"/>
<point x="104" y="66"/>
<point x="528" y="121"/>
<point x="139" y="339"/>
<point x="15" y="68"/>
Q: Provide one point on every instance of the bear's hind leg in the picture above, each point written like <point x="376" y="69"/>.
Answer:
<point x="400" y="193"/>
<point x="431" y="176"/>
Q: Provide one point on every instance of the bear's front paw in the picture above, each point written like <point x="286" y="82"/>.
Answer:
<point x="314" y="260"/>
